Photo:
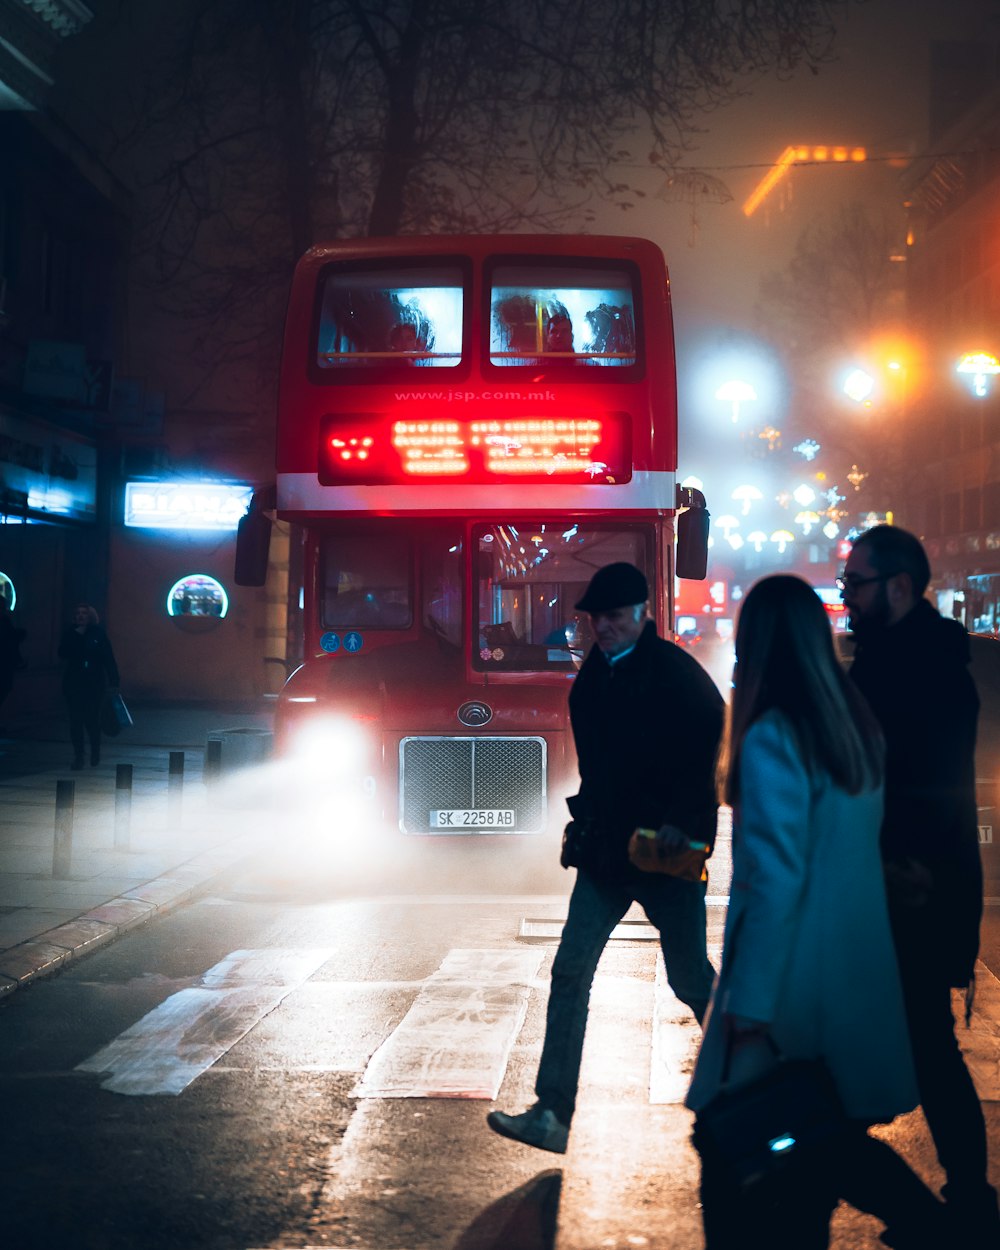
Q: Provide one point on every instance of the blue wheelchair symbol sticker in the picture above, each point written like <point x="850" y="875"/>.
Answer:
<point x="353" y="642"/>
<point x="330" y="642"/>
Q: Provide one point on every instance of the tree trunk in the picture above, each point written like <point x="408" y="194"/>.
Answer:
<point x="289" y="27"/>
<point x="399" y="153"/>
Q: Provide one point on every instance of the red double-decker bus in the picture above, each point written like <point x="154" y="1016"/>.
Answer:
<point x="469" y="427"/>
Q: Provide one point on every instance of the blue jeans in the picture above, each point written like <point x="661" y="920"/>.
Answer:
<point x="674" y="907"/>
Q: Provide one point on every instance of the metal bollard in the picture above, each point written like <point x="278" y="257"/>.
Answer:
<point x="123" y="806"/>
<point x="62" y="854"/>
<point x="175" y="787"/>
<point x="212" y="768"/>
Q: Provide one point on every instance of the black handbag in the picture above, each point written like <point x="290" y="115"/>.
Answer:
<point x="768" y="1127"/>
<point x="580" y="845"/>
<point x="115" y="716"/>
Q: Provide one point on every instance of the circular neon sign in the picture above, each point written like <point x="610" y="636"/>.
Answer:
<point x="197" y="595"/>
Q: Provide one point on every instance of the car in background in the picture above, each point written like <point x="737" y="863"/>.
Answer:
<point x="689" y="638"/>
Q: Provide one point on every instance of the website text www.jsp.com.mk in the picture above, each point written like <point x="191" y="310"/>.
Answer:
<point x="466" y="397"/>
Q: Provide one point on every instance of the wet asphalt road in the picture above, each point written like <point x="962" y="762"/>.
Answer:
<point x="271" y="1143"/>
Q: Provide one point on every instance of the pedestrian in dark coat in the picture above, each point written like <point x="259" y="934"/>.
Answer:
<point x="11" y="638"/>
<point x="90" y="670"/>
<point x="912" y="667"/>
<point x="647" y="731"/>
<point x="647" y="720"/>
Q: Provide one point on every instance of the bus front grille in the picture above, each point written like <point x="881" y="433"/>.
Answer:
<point x="471" y="775"/>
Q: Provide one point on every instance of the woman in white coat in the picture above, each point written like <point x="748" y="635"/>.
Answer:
<point x="808" y="960"/>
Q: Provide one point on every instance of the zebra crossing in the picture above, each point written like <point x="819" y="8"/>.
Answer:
<point x="449" y="1034"/>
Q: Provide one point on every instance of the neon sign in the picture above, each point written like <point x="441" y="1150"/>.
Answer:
<point x="185" y="505"/>
<point x="197" y="594"/>
<point x="582" y="449"/>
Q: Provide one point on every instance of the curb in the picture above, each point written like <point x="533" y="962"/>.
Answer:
<point x="41" y="956"/>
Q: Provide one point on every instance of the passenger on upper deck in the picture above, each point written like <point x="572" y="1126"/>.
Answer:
<point x="559" y="334"/>
<point x="403" y="339"/>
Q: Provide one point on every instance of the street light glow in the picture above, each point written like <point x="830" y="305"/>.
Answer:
<point x="858" y="385"/>
<point x="746" y="494"/>
<point x="736" y="392"/>
<point x="982" y="366"/>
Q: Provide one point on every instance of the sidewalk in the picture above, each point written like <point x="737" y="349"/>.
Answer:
<point x="166" y="855"/>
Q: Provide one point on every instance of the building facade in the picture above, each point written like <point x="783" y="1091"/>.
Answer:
<point x="952" y="440"/>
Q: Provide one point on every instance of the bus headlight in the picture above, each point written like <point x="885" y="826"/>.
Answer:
<point x="333" y="747"/>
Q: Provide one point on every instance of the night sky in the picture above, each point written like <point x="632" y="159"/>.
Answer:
<point x="874" y="93"/>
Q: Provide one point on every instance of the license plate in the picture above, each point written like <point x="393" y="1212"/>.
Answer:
<point x="473" y="818"/>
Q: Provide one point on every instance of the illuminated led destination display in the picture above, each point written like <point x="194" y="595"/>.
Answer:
<point x="572" y="449"/>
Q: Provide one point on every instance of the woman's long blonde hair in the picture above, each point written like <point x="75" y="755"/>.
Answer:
<point x="785" y="659"/>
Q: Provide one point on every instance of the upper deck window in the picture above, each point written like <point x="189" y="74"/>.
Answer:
<point x="562" y="316"/>
<point x="391" y="316"/>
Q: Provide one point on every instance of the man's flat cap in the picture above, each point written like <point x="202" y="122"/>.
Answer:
<point x="615" y="586"/>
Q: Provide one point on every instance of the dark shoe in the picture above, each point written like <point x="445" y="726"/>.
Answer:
<point x="936" y="1235"/>
<point x="974" y="1216"/>
<point x="923" y="1224"/>
<point x="538" y="1126"/>
<point x="77" y="762"/>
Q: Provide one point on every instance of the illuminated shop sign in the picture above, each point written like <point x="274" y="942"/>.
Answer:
<point x="185" y="505"/>
<point x="52" y="470"/>
<point x="197" y="594"/>
<point x="576" y="449"/>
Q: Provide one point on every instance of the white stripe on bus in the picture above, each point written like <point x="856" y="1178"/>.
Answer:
<point x="302" y="492"/>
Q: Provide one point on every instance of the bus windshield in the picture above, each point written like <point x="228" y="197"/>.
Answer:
<point x="528" y="579"/>
<point x="367" y="579"/>
<point x="391" y="316"/>
<point x="562" y="315"/>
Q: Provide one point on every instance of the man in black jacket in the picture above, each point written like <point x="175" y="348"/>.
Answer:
<point x="912" y="667"/>
<point x="646" y="720"/>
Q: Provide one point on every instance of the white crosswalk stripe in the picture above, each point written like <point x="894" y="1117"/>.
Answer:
<point x="980" y="1042"/>
<point x="458" y="1025"/>
<point x="456" y="1037"/>
<point x="175" y="1042"/>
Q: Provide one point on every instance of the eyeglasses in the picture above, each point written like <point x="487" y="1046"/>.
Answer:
<point x="851" y="581"/>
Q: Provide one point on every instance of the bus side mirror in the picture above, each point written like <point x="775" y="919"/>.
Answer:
<point x="692" y="534"/>
<point x="253" y="546"/>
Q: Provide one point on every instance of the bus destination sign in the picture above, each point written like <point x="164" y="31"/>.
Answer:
<point x="525" y="448"/>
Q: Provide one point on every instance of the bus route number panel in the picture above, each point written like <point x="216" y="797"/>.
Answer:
<point x="467" y="818"/>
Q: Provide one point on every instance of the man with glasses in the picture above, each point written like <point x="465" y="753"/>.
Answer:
<point x="911" y="665"/>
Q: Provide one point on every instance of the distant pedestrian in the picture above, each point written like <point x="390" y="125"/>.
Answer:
<point x="90" y="671"/>
<point x="808" y="964"/>
<point x="11" y="660"/>
<point x="646" y="720"/>
<point x="911" y="664"/>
